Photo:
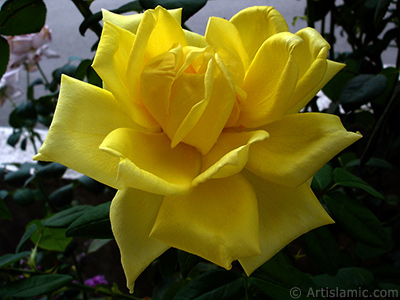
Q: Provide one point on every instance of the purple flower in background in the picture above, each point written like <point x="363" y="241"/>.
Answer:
<point x="96" y="280"/>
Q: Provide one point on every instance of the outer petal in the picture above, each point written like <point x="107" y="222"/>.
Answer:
<point x="256" y="24"/>
<point x="132" y="216"/>
<point x="285" y="214"/>
<point x="229" y="155"/>
<point x="131" y="22"/>
<point x="148" y="163"/>
<point x="85" y="114"/>
<point x="225" y="39"/>
<point x="332" y="68"/>
<point x="217" y="221"/>
<point x="270" y="81"/>
<point x="110" y="63"/>
<point x="314" y="69"/>
<point x="298" y="146"/>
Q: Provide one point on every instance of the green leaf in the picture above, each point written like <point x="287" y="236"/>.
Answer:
<point x="81" y="70"/>
<point x="24" y="196"/>
<point x="93" y="78"/>
<point x="21" y="175"/>
<point x="277" y="277"/>
<point x="13" y="139"/>
<point x="27" y="235"/>
<point x="322" y="249"/>
<point x="16" y="17"/>
<point x="358" y="221"/>
<point x="187" y="262"/>
<point x="91" y="184"/>
<point x="52" y="239"/>
<point x="345" y="279"/>
<point x="24" y="115"/>
<point x="322" y="179"/>
<point x="5" y="213"/>
<point x="62" y="196"/>
<point x="94" y="223"/>
<point x="373" y="162"/>
<point x="190" y="7"/>
<point x="35" y="285"/>
<point x="66" y="217"/>
<point x="213" y="285"/>
<point x="344" y="178"/>
<point x="51" y="170"/>
<point x="11" y="258"/>
<point x="96" y="244"/>
<point x="366" y="252"/>
<point x="381" y="10"/>
<point x="4" y="55"/>
<point x="363" y="88"/>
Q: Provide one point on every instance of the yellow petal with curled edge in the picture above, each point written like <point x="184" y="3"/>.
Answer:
<point x="298" y="146"/>
<point x="110" y="64"/>
<point x="256" y="24"/>
<point x="285" y="214"/>
<point x="132" y="216"/>
<point x="206" y="120"/>
<point x="270" y="81"/>
<point x="314" y="68"/>
<point x="195" y="39"/>
<point x="218" y="221"/>
<point x="229" y="155"/>
<point x="84" y="116"/>
<point x="157" y="33"/>
<point x="224" y="37"/>
<point x="131" y="22"/>
<point x="148" y="162"/>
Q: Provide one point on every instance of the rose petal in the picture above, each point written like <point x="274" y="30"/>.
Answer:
<point x="298" y="146"/>
<point x="224" y="37"/>
<point x="206" y="120"/>
<point x="148" y="162"/>
<point x="85" y="114"/>
<point x="110" y="64"/>
<point x="270" y="81"/>
<point x="285" y="214"/>
<point x="157" y="33"/>
<point x="256" y="24"/>
<point x="217" y="221"/>
<point x="229" y="155"/>
<point x="132" y="215"/>
<point x="131" y="22"/>
<point x="314" y="69"/>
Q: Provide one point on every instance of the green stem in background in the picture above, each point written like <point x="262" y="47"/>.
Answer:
<point x="13" y="104"/>
<point x="103" y="292"/>
<point x="32" y="139"/>
<point x="310" y="13"/>
<point x="46" y="82"/>
<point x="28" y="78"/>
<point x="246" y="287"/>
<point x="397" y="13"/>
<point x="83" y="7"/>
<point x="331" y="40"/>
<point x="78" y="272"/>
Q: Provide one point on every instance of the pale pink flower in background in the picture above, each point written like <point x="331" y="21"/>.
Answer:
<point x="28" y="49"/>
<point x="9" y="85"/>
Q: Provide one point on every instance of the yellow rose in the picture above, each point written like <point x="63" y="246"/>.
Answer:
<point x="201" y="135"/>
